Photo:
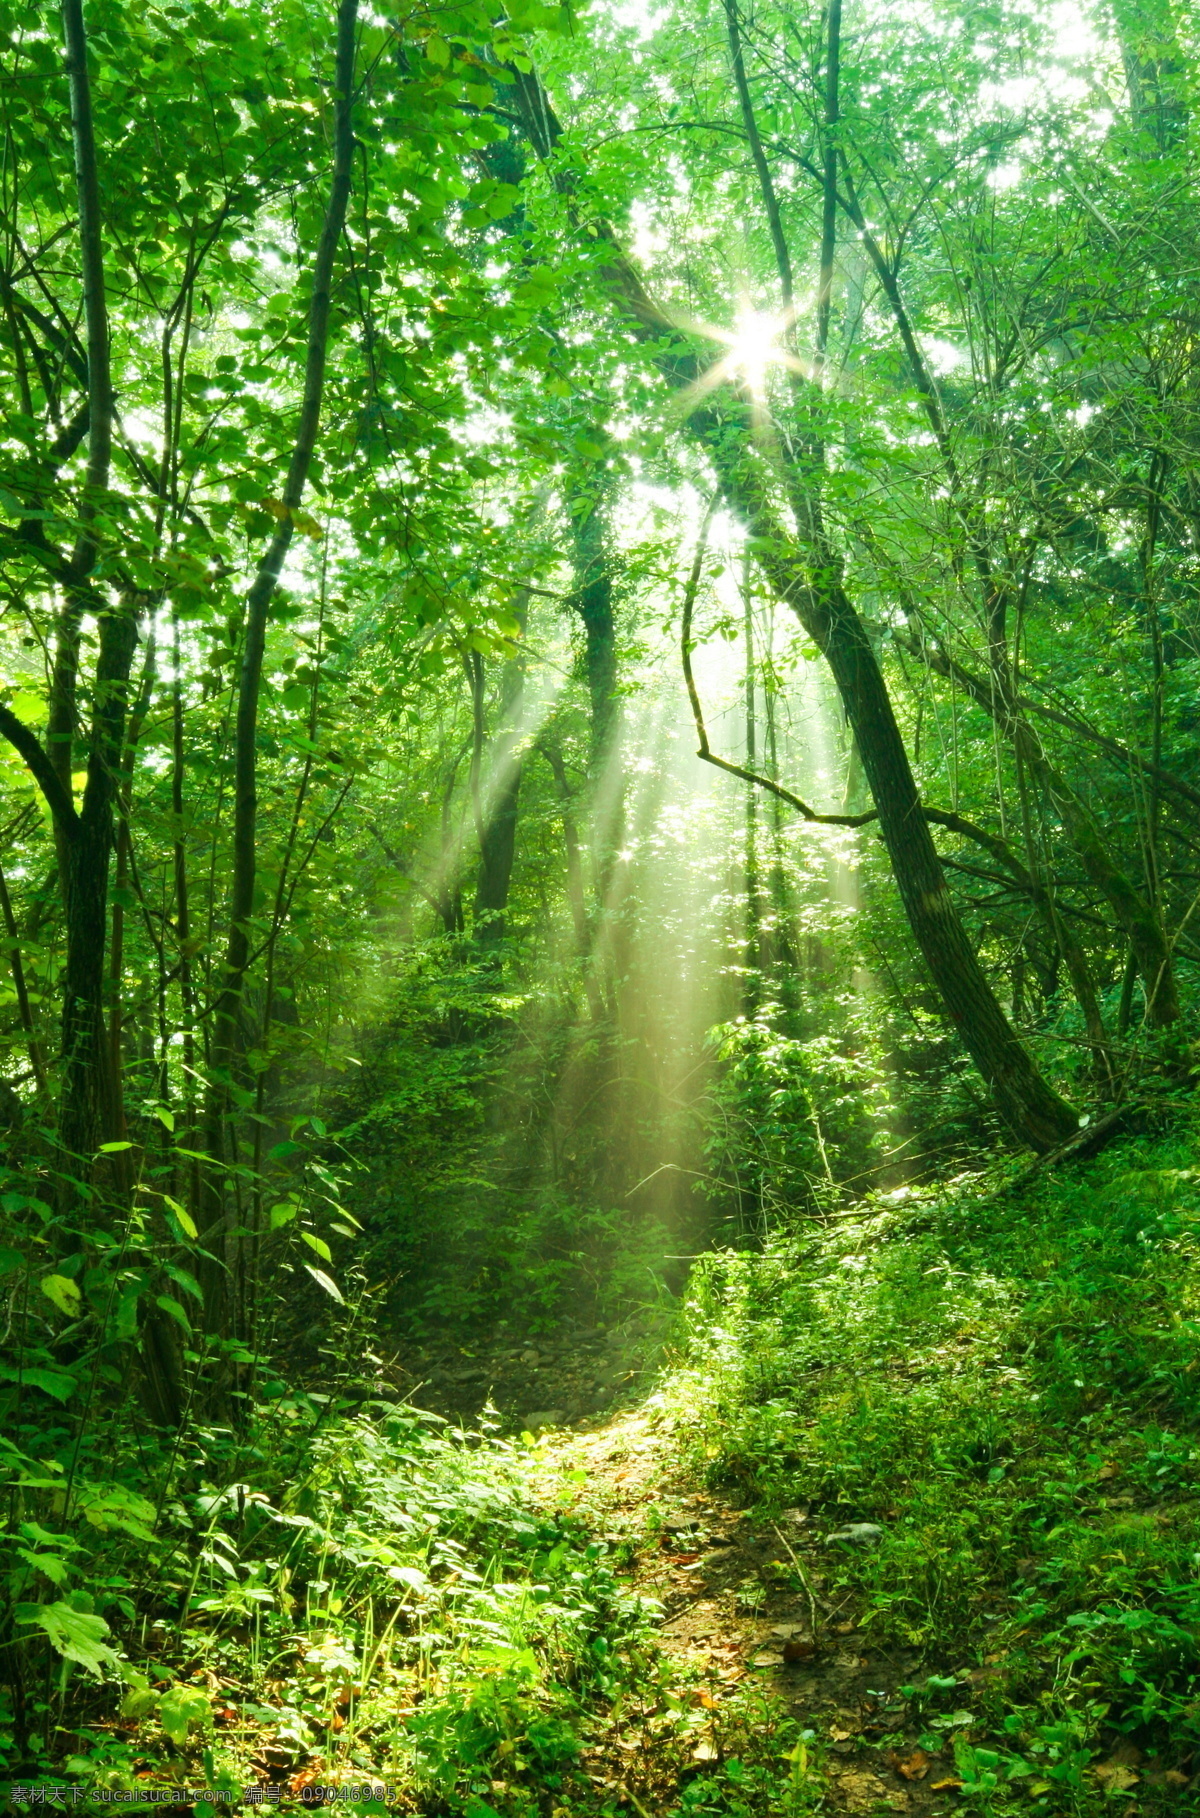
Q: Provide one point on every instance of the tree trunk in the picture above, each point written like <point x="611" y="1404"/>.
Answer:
<point x="1155" y="70"/>
<point x="752" y="987"/>
<point x="575" y="894"/>
<point x="593" y="600"/>
<point x="1027" y="1103"/>
<point x="496" y="854"/>
<point x="87" y="1109"/>
<point x="215" y="1275"/>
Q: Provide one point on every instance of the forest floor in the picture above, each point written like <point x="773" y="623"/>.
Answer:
<point x="915" y="1497"/>
<point x="899" y="1513"/>
<point x="731" y="1613"/>
<point x="742" y="1607"/>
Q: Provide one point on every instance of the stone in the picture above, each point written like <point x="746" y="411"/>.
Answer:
<point x="545" y="1417"/>
<point x="858" y="1534"/>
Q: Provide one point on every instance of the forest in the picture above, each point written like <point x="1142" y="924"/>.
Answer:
<point x="600" y="1004"/>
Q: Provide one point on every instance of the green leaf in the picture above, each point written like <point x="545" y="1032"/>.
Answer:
<point x="112" y="1148"/>
<point x="61" y="1290"/>
<point x="283" y="1213"/>
<point x="175" y="1309"/>
<point x="326" y="1282"/>
<point x="139" y="1701"/>
<point x="319" y="1245"/>
<point x="109" y="1506"/>
<point x="180" y="1708"/>
<point x="51" y="1565"/>
<point x="412" y="1576"/>
<point x="184" y="1280"/>
<point x="187" y="1223"/>
<point x="29" y="708"/>
<point x="437" y="51"/>
<point x="75" y="1634"/>
<point x="58" y="1383"/>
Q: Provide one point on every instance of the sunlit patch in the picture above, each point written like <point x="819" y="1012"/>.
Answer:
<point x="755" y="345"/>
<point x="752" y="348"/>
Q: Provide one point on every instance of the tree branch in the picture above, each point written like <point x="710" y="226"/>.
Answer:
<point x="30" y="747"/>
<point x="704" y="751"/>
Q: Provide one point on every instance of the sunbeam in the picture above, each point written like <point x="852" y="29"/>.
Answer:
<point x="755" y="345"/>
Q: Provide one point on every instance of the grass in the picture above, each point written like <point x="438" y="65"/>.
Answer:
<point x="382" y="1610"/>
<point x="1008" y="1386"/>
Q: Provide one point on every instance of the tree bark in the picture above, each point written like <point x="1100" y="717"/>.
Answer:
<point x="575" y="892"/>
<point x="593" y="600"/>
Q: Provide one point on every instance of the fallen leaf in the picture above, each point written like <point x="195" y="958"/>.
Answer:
<point x="1116" y="1779"/>
<point x="1126" y="1754"/>
<point x="1174" y="1778"/>
<point x="912" y="1767"/>
<point x="1116" y="1775"/>
<point x="841" y="1735"/>
<point x="944" y="1786"/>
<point x="844" y="1628"/>
<point x="860" y="1792"/>
<point x="705" y="1751"/>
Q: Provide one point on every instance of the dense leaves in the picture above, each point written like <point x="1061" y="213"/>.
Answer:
<point x="385" y="397"/>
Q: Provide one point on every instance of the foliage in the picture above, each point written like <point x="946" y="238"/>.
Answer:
<point x="377" y="1605"/>
<point x="1003" y="1381"/>
<point x="381" y="963"/>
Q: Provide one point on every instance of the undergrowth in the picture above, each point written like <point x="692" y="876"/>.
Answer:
<point x="366" y="1603"/>
<point x="1005" y="1385"/>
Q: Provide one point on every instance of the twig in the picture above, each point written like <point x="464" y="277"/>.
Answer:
<point x="808" y="1590"/>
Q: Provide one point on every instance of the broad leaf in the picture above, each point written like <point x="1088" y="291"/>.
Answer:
<point x="62" y="1291"/>
<point x="326" y="1282"/>
<point x="77" y="1635"/>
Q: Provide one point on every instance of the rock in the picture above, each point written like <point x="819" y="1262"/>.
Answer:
<point x="858" y="1534"/>
<point x="801" y="1647"/>
<point x="545" y="1417"/>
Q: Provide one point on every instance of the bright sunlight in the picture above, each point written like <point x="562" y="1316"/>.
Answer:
<point x="755" y="345"/>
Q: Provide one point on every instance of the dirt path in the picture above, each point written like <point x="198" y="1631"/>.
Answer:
<point x="751" y="1629"/>
<point x="739" y="1603"/>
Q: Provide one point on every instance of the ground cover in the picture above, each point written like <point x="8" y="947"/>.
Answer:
<point x="901" y="1514"/>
